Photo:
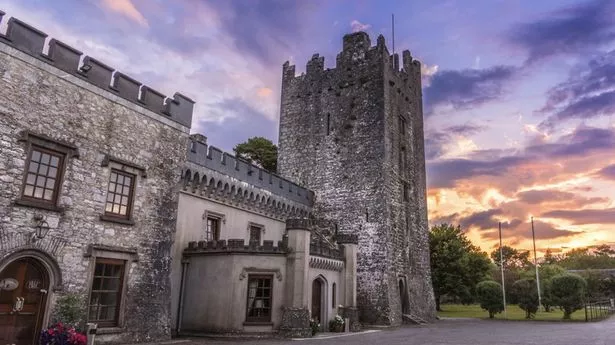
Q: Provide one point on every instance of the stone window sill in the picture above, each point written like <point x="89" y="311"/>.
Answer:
<point x="109" y="330"/>
<point x="257" y="323"/>
<point x="38" y="204"/>
<point x="112" y="219"/>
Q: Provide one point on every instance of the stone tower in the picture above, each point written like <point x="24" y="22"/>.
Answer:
<point x="354" y="135"/>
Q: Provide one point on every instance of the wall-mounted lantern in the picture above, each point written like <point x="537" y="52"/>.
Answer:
<point x="41" y="228"/>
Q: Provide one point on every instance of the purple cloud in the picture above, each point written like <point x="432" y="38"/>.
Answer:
<point x="607" y="172"/>
<point x="574" y="29"/>
<point x="466" y="88"/>
<point x="581" y="217"/>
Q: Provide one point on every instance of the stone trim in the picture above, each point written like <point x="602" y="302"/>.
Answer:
<point x="255" y="270"/>
<point x="123" y="165"/>
<point x="220" y="216"/>
<point x="112" y="252"/>
<point x="326" y="264"/>
<point x="47" y="259"/>
<point x="13" y="241"/>
<point x="50" y="143"/>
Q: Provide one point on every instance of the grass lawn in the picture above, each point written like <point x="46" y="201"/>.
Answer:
<point x="513" y="313"/>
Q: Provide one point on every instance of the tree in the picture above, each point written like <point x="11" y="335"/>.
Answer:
<point x="489" y="294"/>
<point x="526" y="296"/>
<point x="604" y="250"/>
<point x="549" y="258"/>
<point x="568" y="291"/>
<point x="583" y="258"/>
<point x="456" y="265"/>
<point x="546" y="273"/>
<point x="259" y="151"/>
<point x="513" y="259"/>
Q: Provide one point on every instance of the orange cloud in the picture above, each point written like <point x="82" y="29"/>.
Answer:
<point x="127" y="9"/>
<point x="264" y="92"/>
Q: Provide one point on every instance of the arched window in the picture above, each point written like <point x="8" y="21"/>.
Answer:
<point x="333" y="295"/>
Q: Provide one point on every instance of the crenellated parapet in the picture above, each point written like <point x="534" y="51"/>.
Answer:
<point x="357" y="54"/>
<point x="214" y="159"/>
<point x="235" y="246"/>
<point x="31" y="41"/>
<point x="299" y="224"/>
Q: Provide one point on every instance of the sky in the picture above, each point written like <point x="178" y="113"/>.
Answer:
<point x="519" y="96"/>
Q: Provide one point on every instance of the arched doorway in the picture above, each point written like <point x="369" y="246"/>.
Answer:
<point x="24" y="284"/>
<point x="318" y="301"/>
<point x="403" y="297"/>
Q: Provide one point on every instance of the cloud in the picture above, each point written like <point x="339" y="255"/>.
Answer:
<point x="572" y="30"/>
<point x="589" y="92"/>
<point x="549" y="196"/>
<point x="357" y="26"/>
<point x="127" y="9"/>
<point x="607" y="173"/>
<point x="533" y="164"/>
<point x="438" y="143"/>
<point x="466" y="88"/>
<point x="585" y="216"/>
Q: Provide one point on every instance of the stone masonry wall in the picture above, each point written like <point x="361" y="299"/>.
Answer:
<point x="339" y="136"/>
<point x="42" y="99"/>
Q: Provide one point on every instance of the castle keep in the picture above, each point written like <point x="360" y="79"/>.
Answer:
<point x="354" y="136"/>
<point x="106" y="196"/>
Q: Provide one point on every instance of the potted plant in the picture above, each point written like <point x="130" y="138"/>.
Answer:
<point x="336" y="324"/>
<point x="61" y="334"/>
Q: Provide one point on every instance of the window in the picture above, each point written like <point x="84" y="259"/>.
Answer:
<point x="259" y="298"/>
<point x="255" y="233"/>
<point x="43" y="175"/>
<point x="333" y="296"/>
<point x="328" y="124"/>
<point x="120" y="194"/>
<point x="402" y="126"/>
<point x="106" y="292"/>
<point x="402" y="159"/>
<point x="212" y="229"/>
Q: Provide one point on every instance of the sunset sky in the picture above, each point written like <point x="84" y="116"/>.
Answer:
<point x="518" y="95"/>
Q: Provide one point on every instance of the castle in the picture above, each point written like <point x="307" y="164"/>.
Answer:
<point x="105" y="196"/>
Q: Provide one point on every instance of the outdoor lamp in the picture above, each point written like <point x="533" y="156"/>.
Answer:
<point x="42" y="228"/>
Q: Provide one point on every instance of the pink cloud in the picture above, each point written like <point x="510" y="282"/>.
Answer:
<point x="356" y="26"/>
<point x="127" y="9"/>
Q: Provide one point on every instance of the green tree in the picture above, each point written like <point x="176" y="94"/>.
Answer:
<point x="546" y="273"/>
<point x="546" y="292"/>
<point x="604" y="250"/>
<point x="549" y="258"/>
<point x="584" y="258"/>
<point x="456" y="265"/>
<point x="526" y="296"/>
<point x="513" y="259"/>
<point x="489" y="295"/>
<point x="568" y="292"/>
<point x="259" y="151"/>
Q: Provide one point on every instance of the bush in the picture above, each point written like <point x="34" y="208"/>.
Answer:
<point x="489" y="294"/>
<point x="315" y="326"/>
<point x="526" y="296"/>
<point x="568" y="291"/>
<point x="546" y="294"/>
<point x="70" y="311"/>
<point x="336" y="324"/>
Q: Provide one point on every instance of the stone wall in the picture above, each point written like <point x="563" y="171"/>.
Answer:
<point x="98" y="121"/>
<point x="340" y="137"/>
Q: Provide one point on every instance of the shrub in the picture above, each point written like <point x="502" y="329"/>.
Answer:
<point x="315" y="326"/>
<point x="568" y="291"/>
<point x="336" y="324"/>
<point x="489" y="294"/>
<point x="526" y="296"/>
<point x="70" y="311"/>
<point x="546" y="294"/>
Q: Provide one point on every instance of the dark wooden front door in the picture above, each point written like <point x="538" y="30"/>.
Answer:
<point x="23" y="293"/>
<point x="316" y="300"/>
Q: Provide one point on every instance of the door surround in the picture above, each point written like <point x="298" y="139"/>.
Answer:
<point x="46" y="262"/>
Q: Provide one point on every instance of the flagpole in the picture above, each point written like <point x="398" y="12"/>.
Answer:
<point x="536" y="266"/>
<point x="502" y="269"/>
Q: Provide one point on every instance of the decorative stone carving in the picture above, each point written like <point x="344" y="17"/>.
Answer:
<point x="295" y="323"/>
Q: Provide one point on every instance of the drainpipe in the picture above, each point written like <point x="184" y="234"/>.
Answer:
<point x="182" y="286"/>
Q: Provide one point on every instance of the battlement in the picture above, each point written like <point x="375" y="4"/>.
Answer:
<point x="356" y="51"/>
<point x="31" y="41"/>
<point x="235" y="246"/>
<point x="213" y="158"/>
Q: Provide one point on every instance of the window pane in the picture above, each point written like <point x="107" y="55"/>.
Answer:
<point x="33" y="167"/>
<point x="116" y="209"/>
<point x="48" y="194"/>
<point x="109" y="197"/>
<point x="111" y="187"/>
<point x="120" y="179"/>
<point x="123" y="210"/>
<point x="50" y="183"/>
<point x="31" y="179"/>
<point x="126" y="190"/>
<point x="45" y="158"/>
<point x="42" y="170"/>
<point x="127" y="180"/>
<point x="38" y="192"/>
<point x="28" y="191"/>
<point x="36" y="155"/>
<point x="54" y="161"/>
<point x="113" y="177"/>
<point x="99" y="270"/>
<point x="52" y="172"/>
<point x="124" y="200"/>
<point x="40" y="181"/>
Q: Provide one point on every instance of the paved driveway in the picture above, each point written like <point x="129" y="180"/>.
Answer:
<point x="461" y="332"/>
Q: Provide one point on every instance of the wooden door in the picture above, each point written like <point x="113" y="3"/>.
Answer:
<point x="316" y="300"/>
<point x="23" y="292"/>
